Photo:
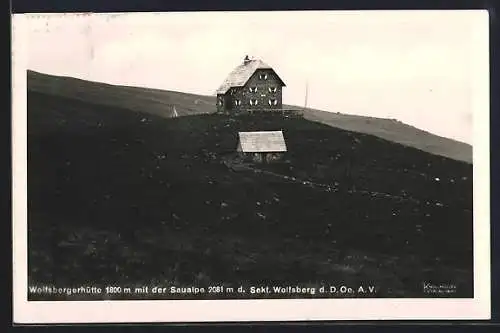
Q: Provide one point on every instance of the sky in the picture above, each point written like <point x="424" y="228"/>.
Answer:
<point x="414" y="66"/>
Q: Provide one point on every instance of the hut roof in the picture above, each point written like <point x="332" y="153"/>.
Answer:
<point x="242" y="73"/>
<point x="261" y="142"/>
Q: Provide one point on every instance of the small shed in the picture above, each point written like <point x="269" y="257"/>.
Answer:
<point x="262" y="146"/>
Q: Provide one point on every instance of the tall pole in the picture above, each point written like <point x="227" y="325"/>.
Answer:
<point x="307" y="92"/>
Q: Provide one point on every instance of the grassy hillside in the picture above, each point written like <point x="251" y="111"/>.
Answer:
<point x="151" y="101"/>
<point x="122" y="197"/>
<point x="159" y="102"/>
<point x="396" y="131"/>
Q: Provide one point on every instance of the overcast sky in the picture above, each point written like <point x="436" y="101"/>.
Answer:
<point x="413" y="66"/>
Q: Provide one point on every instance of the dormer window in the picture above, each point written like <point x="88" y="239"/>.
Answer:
<point x="273" y="101"/>
<point x="254" y="102"/>
<point x="263" y="76"/>
<point x="237" y="102"/>
<point x="272" y="89"/>
<point x="253" y="89"/>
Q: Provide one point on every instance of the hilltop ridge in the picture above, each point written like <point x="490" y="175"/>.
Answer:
<point x="160" y="102"/>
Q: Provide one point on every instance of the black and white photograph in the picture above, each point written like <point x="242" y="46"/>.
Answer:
<point x="251" y="161"/>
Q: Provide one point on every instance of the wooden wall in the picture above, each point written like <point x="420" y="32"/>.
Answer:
<point x="262" y="95"/>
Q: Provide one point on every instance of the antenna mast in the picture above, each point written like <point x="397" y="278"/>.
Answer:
<point x="307" y="92"/>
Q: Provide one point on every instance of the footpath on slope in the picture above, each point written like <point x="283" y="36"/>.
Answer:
<point x="236" y="165"/>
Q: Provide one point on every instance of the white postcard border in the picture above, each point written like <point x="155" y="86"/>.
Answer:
<point x="37" y="312"/>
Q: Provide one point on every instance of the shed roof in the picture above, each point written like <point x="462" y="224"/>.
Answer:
<point x="261" y="142"/>
<point x="242" y="73"/>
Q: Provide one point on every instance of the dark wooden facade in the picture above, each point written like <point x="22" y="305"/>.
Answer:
<point x="262" y="92"/>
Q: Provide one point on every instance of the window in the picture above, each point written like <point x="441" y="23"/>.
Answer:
<point x="272" y="89"/>
<point x="237" y="102"/>
<point x="253" y="89"/>
<point x="263" y="76"/>
<point x="254" y="102"/>
<point x="273" y="102"/>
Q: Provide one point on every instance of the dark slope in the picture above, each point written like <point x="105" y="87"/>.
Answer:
<point x="395" y="131"/>
<point x="153" y="101"/>
<point x="159" y="102"/>
<point x="120" y="197"/>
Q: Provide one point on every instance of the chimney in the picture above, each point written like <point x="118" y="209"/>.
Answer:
<point x="246" y="60"/>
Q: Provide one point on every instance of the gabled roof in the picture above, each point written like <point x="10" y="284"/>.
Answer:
<point x="261" y="142"/>
<point x="242" y="73"/>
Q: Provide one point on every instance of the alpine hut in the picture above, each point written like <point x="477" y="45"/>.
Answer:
<point x="252" y="86"/>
